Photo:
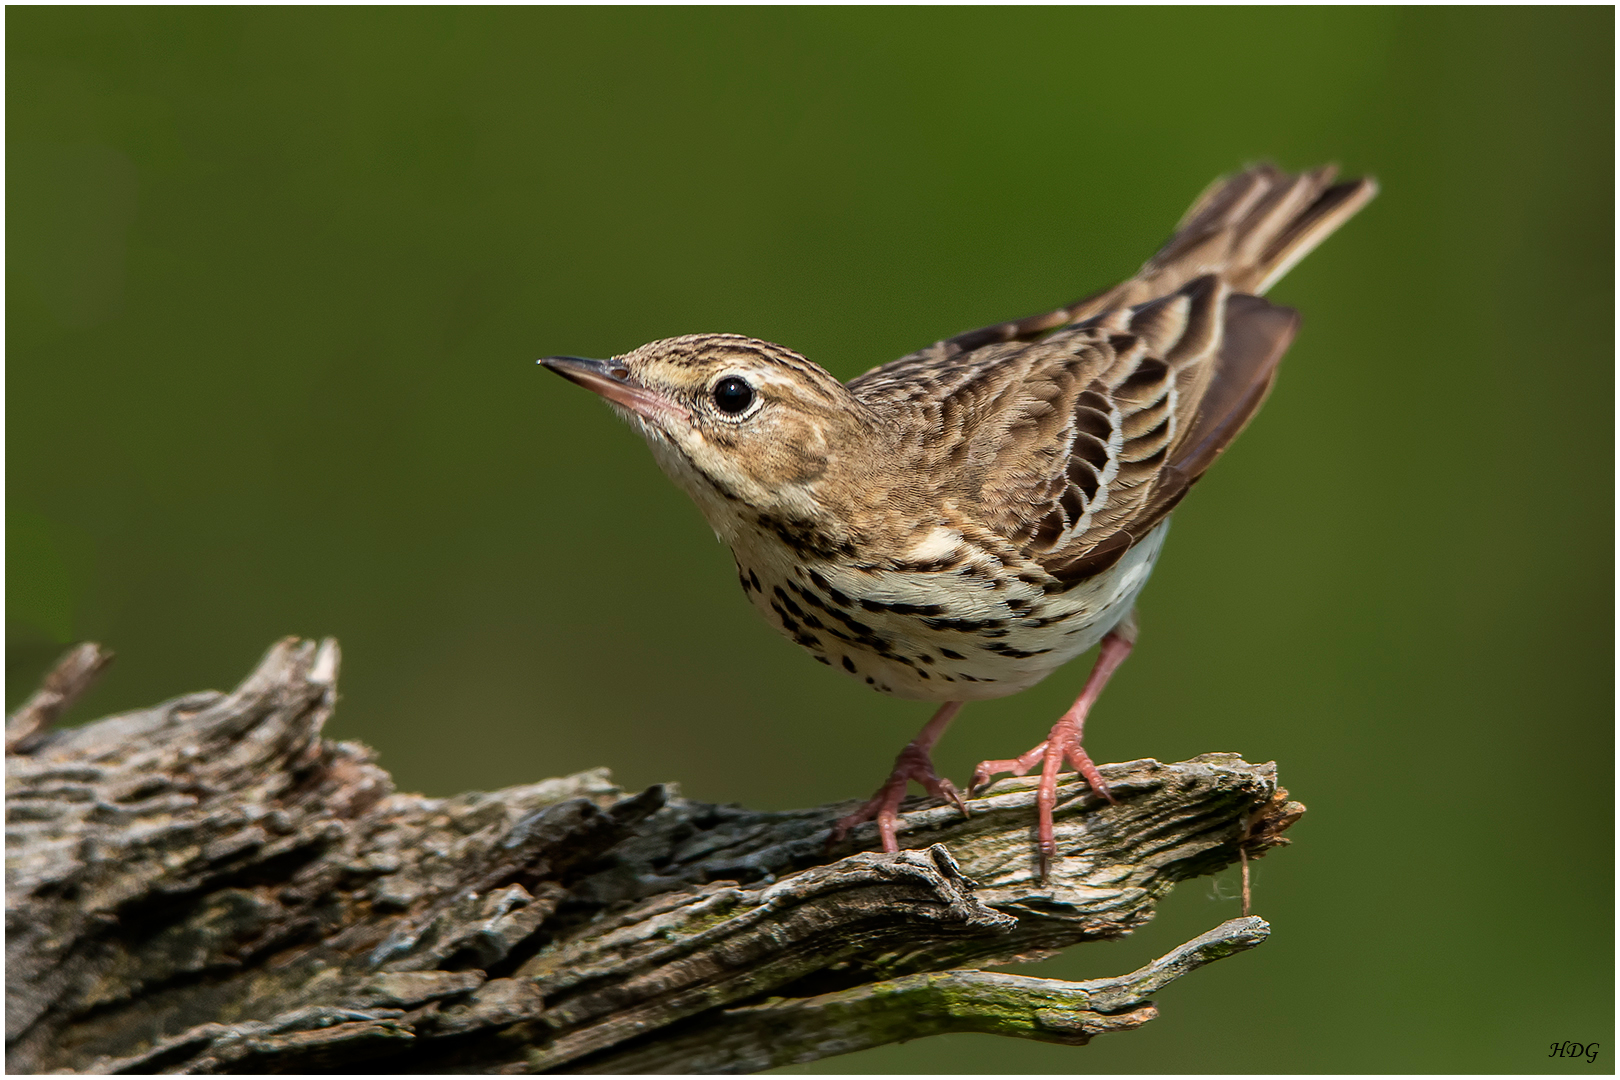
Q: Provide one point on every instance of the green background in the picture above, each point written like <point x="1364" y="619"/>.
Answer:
<point x="277" y="280"/>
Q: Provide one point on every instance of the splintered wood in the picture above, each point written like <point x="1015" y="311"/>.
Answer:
<point x="210" y="886"/>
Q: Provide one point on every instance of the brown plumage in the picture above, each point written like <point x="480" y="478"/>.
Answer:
<point x="957" y="524"/>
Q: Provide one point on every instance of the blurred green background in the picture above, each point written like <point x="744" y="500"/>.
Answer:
<point x="277" y="280"/>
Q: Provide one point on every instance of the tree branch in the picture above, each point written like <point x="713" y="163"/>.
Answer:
<point x="75" y="673"/>
<point x="209" y="886"/>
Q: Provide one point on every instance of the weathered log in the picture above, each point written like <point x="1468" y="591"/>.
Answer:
<point x="210" y="886"/>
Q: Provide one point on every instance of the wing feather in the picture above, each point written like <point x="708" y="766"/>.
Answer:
<point x="1072" y="434"/>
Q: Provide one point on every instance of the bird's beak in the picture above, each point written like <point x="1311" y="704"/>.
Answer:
<point x="614" y="382"/>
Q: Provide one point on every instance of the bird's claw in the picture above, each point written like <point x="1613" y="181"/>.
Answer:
<point x="1061" y="747"/>
<point x="912" y="764"/>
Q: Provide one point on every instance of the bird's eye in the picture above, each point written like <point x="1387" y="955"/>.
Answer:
<point x="732" y="395"/>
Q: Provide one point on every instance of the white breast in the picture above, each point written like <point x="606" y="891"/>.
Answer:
<point x="962" y="635"/>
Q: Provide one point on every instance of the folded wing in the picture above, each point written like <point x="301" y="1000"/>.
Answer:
<point x="1074" y="433"/>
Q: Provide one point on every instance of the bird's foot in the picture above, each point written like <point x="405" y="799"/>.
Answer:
<point x="914" y="763"/>
<point x="1062" y="745"/>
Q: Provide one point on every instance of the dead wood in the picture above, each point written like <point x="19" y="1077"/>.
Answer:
<point x="210" y="886"/>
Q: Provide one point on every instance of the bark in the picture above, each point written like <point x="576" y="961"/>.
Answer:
<point x="210" y="886"/>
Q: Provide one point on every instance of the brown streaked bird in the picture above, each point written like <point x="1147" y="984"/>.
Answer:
<point x="958" y="524"/>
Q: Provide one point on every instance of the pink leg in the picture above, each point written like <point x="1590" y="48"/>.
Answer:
<point x="914" y="763"/>
<point x="1063" y="744"/>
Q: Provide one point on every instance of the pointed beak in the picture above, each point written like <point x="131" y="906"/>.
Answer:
<point x="614" y="382"/>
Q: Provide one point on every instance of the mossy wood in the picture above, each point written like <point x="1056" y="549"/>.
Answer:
<point x="210" y="886"/>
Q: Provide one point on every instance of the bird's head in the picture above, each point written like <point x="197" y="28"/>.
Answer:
<point x="741" y="424"/>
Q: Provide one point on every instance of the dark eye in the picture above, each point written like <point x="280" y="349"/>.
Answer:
<point x="732" y="395"/>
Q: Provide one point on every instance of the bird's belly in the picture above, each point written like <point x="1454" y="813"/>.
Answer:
<point x="942" y="636"/>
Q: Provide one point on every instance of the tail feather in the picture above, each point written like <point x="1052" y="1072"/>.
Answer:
<point x="1320" y="220"/>
<point x="1248" y="230"/>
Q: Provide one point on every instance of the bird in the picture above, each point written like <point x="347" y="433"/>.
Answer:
<point x="958" y="524"/>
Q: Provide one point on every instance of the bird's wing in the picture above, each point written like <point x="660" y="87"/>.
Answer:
<point x="1074" y="447"/>
<point x="1108" y="425"/>
<point x="1156" y="393"/>
<point x="1074" y="433"/>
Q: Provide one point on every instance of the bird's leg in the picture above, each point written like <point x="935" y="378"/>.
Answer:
<point x="914" y="763"/>
<point x="1063" y="744"/>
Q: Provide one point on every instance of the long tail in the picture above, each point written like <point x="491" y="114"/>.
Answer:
<point x="1248" y="230"/>
<point x="1252" y="228"/>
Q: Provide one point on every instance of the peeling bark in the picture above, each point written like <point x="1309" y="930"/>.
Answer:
<point x="210" y="886"/>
